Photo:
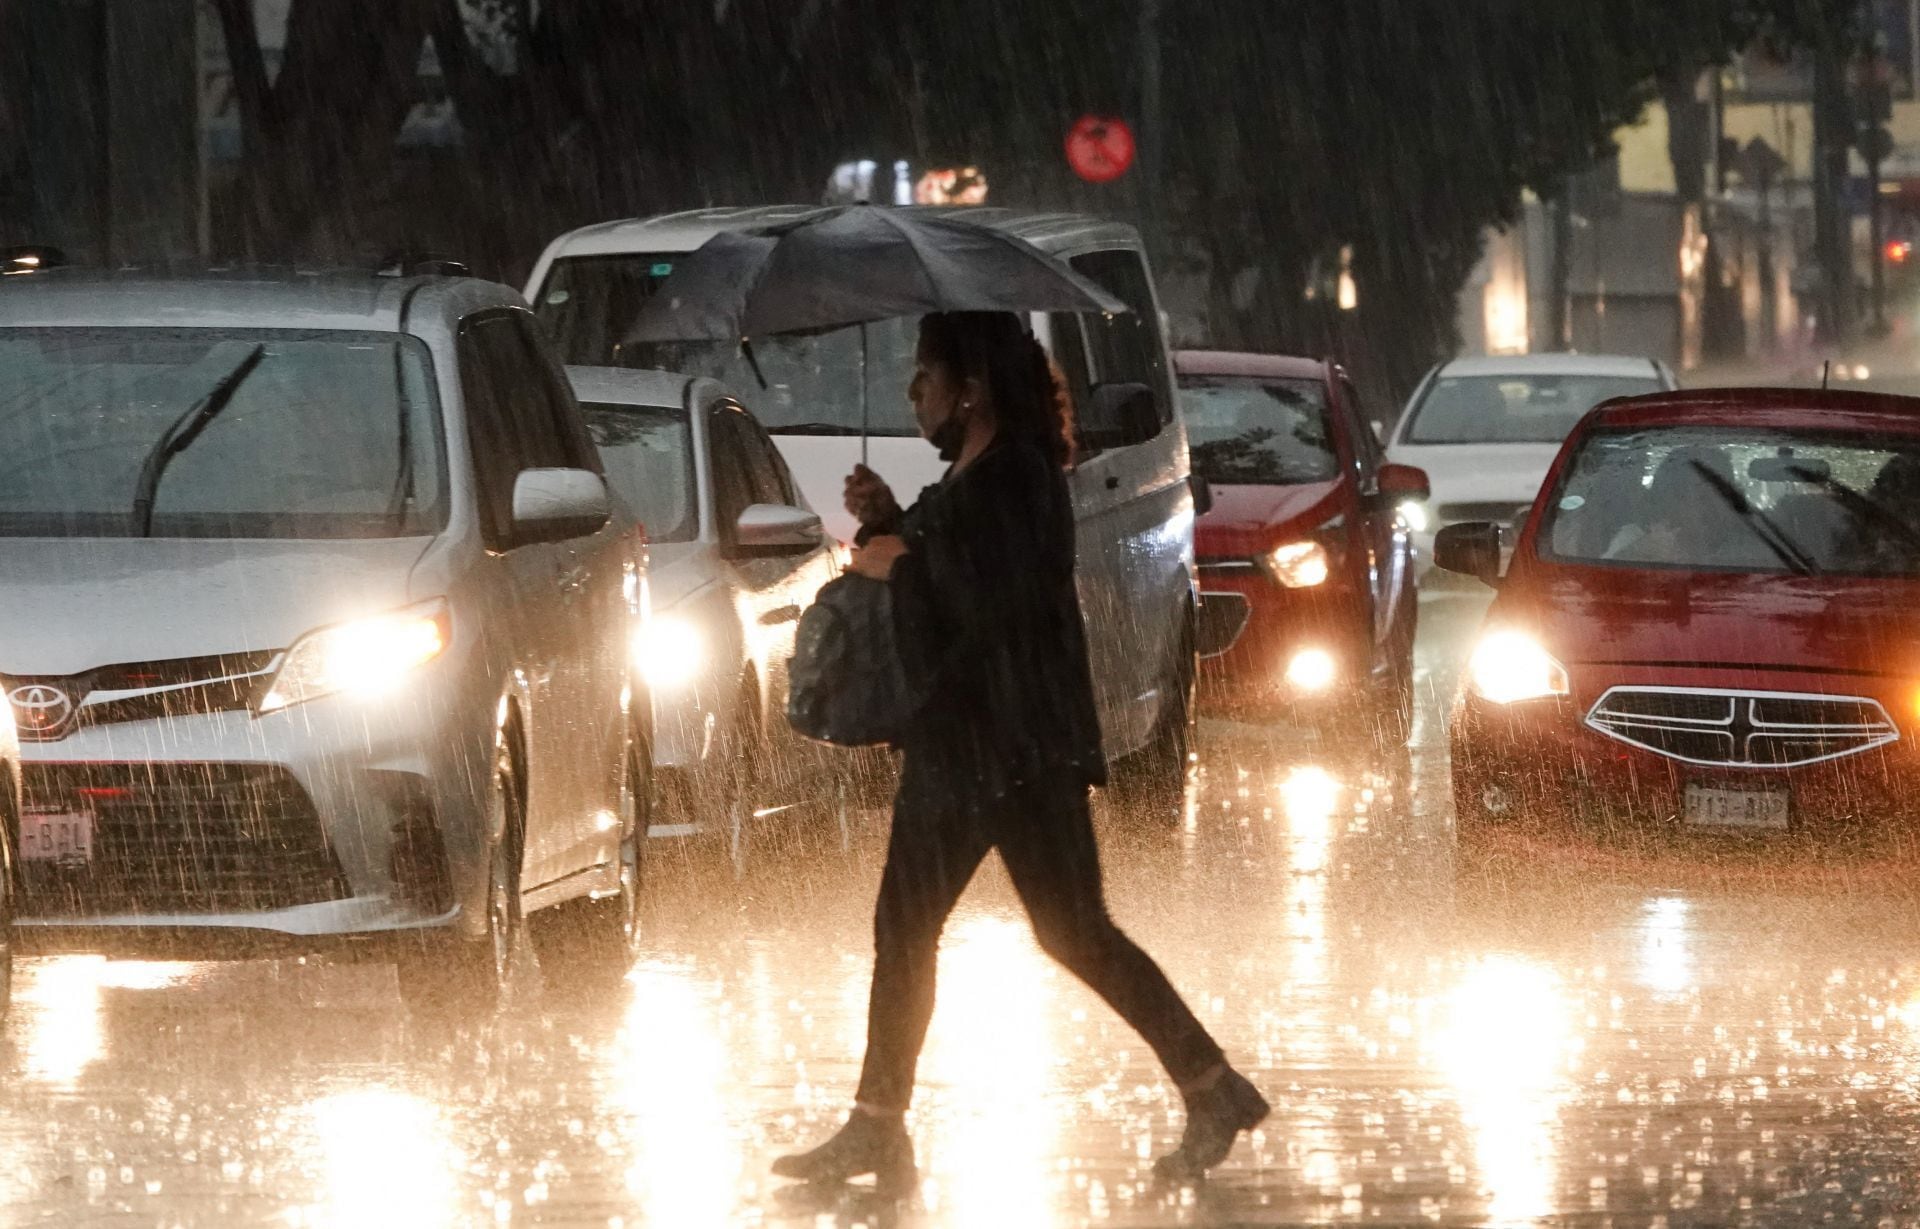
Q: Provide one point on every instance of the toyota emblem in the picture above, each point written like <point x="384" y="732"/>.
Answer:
<point x="40" y="708"/>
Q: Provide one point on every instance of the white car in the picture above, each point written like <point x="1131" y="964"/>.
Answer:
<point x="316" y="624"/>
<point x="1133" y="499"/>
<point x="736" y="555"/>
<point x="1486" y="429"/>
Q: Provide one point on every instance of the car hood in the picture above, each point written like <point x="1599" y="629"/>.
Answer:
<point x="1618" y="616"/>
<point x="70" y="605"/>
<point x="1480" y="473"/>
<point x="1246" y="519"/>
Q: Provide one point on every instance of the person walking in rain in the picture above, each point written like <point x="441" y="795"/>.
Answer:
<point x="1003" y="754"/>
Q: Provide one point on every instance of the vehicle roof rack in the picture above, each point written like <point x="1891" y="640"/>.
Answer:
<point x="30" y="258"/>
<point x="422" y="264"/>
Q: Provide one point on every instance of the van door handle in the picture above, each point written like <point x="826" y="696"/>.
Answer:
<point x="782" y="614"/>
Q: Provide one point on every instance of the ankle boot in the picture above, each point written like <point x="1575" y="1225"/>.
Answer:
<point x="867" y="1144"/>
<point x="1215" y="1118"/>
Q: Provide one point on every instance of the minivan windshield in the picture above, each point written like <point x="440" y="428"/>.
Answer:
<point x="648" y="452"/>
<point x="812" y="384"/>
<point x="294" y="434"/>
<point x="1740" y="500"/>
<point x="1257" y="429"/>
<point x="1531" y="408"/>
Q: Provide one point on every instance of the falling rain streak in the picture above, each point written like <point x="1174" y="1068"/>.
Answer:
<point x="1569" y="1038"/>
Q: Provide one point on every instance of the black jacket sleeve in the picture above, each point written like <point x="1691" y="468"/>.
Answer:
<point x="987" y="554"/>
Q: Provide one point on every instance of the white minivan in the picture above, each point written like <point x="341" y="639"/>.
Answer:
<point x="819" y="395"/>
<point x="316" y="624"/>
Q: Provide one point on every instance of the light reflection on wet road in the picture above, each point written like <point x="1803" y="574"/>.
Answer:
<point x="1443" y="1042"/>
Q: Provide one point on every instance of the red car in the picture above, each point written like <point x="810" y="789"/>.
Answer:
<point x="1708" y="625"/>
<point x="1306" y="566"/>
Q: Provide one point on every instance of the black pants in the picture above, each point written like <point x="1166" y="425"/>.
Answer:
<point x="1045" y="837"/>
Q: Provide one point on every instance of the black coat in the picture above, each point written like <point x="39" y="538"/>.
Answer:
<point x="987" y="613"/>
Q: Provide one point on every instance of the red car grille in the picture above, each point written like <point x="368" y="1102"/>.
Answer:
<point x="1742" y="729"/>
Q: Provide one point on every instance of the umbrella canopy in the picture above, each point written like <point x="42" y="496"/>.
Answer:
<point x="855" y="265"/>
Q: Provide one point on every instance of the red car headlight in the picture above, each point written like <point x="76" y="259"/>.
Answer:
<point x="1509" y="666"/>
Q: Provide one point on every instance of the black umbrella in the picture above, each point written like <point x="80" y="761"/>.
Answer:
<point x="854" y="265"/>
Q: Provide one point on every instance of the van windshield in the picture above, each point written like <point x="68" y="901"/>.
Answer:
<point x="301" y="434"/>
<point x="812" y="383"/>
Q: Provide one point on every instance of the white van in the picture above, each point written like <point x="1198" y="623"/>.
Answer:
<point x="1132" y="497"/>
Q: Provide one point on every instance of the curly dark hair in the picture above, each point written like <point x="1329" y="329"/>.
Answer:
<point x="997" y="349"/>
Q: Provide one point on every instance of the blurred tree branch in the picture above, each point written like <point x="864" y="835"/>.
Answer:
<point x="325" y="127"/>
<point x="1384" y="136"/>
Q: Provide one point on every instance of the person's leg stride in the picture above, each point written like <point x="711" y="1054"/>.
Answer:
<point x="931" y="856"/>
<point x="1046" y="839"/>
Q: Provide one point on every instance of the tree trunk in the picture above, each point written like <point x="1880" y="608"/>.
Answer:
<point x="1689" y="132"/>
<point x="1832" y="135"/>
<point x="324" y="131"/>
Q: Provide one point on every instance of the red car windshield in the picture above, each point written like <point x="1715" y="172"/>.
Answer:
<point x="1736" y="500"/>
<point x="1258" y="431"/>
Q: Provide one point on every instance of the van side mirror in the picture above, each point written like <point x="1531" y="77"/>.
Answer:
<point x="775" y="529"/>
<point x="558" y="505"/>
<point x="1471" y="548"/>
<point x="1202" y="494"/>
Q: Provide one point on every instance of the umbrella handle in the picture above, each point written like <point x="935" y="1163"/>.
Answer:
<point x="865" y="399"/>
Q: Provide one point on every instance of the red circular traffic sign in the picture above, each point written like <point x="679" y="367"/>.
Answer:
<point x="1099" y="149"/>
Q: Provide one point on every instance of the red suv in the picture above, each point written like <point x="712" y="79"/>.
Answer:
<point x="1708" y="624"/>
<point x="1306" y="566"/>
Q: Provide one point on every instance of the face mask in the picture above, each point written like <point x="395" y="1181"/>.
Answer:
<point x="949" y="437"/>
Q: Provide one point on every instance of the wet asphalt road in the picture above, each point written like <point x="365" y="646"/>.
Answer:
<point x="1554" y="1037"/>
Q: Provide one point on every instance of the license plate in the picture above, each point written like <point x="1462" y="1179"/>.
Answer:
<point x="1709" y="807"/>
<point x="56" y="836"/>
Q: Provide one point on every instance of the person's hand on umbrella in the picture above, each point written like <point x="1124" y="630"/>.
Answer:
<point x="875" y="560"/>
<point x="869" y="499"/>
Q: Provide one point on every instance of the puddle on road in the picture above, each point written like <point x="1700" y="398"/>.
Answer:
<point x="1439" y="1046"/>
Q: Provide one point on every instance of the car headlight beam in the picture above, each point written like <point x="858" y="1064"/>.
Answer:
<point x="669" y="651"/>
<point x="1312" y="670"/>
<point x="1510" y="666"/>
<point x="365" y="657"/>
<point x="1299" y="565"/>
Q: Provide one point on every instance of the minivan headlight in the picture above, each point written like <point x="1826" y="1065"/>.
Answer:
<point x="1298" y="565"/>
<point x="669" y="650"/>
<point x="367" y="657"/>
<point x="1509" y="666"/>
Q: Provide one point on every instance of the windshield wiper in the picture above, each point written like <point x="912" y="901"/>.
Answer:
<point x="1861" y="502"/>
<point x="186" y="429"/>
<point x="401" y="502"/>
<point x="814" y="428"/>
<point x="1763" y="527"/>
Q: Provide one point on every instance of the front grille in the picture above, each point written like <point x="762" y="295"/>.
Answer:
<point x="1742" y="729"/>
<point x="141" y="691"/>
<point x="1504" y="513"/>
<point x="181" y="838"/>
